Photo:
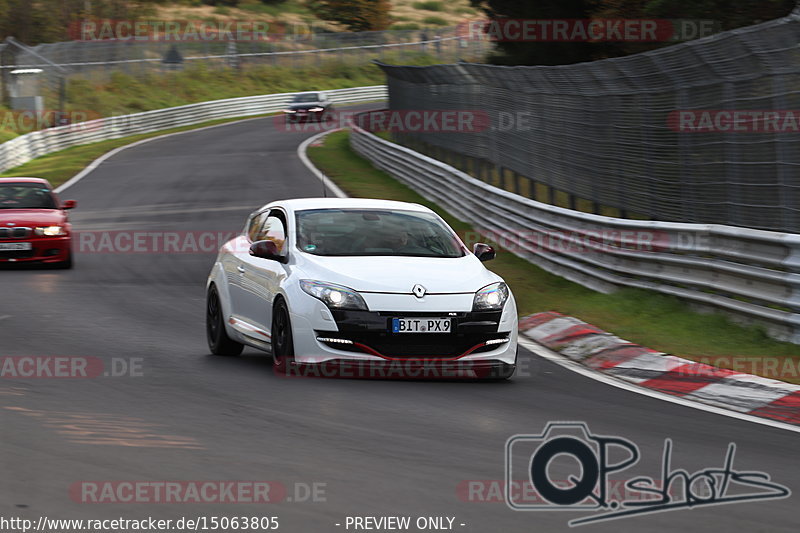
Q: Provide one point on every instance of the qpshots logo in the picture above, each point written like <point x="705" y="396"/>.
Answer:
<point x="549" y="462"/>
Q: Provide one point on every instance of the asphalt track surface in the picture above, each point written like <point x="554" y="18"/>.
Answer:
<point x="399" y="448"/>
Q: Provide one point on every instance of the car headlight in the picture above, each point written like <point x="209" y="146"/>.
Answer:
<point x="491" y="298"/>
<point x="49" y="231"/>
<point x="316" y="109"/>
<point x="334" y="296"/>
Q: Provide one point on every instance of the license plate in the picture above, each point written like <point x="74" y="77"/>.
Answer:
<point x="15" y="246"/>
<point x="421" y="325"/>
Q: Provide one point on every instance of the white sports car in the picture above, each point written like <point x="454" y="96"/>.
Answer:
<point x="379" y="288"/>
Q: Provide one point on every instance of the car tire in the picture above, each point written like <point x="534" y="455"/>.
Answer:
<point x="218" y="341"/>
<point x="282" y="341"/>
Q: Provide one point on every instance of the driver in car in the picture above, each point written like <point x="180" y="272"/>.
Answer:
<point x="7" y="196"/>
<point x="402" y="242"/>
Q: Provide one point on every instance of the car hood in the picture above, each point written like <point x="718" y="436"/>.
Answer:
<point x="398" y="274"/>
<point x="31" y="217"/>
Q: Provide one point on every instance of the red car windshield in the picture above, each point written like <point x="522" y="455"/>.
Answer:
<point x="26" y="196"/>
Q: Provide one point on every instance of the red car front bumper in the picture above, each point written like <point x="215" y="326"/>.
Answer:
<point x="43" y="250"/>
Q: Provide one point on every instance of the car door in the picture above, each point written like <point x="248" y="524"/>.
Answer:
<point x="261" y="278"/>
<point x="234" y="265"/>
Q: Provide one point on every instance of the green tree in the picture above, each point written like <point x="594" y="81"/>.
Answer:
<point x="538" y="52"/>
<point x="356" y="15"/>
<point x="727" y="14"/>
<point x="37" y="21"/>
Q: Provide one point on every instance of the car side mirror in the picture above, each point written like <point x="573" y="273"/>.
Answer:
<point x="483" y="252"/>
<point x="69" y="204"/>
<point x="266" y="250"/>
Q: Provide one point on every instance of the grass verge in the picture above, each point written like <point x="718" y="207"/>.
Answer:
<point x="657" y="321"/>
<point x="123" y="94"/>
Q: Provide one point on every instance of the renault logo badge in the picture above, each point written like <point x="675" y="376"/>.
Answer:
<point x="418" y="290"/>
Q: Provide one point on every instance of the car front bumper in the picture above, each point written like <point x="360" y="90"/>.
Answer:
<point x="44" y="250"/>
<point x="305" y="116"/>
<point x="361" y="342"/>
<point x="408" y="369"/>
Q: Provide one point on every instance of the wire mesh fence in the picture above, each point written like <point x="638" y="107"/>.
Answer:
<point x="707" y="131"/>
<point x="98" y="59"/>
<point x="45" y="71"/>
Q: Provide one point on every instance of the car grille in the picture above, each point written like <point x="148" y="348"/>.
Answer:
<point x="14" y="233"/>
<point x="372" y="329"/>
<point x="414" y="345"/>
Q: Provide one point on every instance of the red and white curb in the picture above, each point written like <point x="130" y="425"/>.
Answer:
<point x="608" y="354"/>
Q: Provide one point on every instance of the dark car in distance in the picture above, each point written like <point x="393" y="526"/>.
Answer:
<point x="309" y="107"/>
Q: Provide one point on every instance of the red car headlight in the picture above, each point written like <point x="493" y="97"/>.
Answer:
<point x="50" y="231"/>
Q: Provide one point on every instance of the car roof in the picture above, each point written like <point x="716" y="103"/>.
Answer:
<point x="299" y="204"/>
<point x="25" y="180"/>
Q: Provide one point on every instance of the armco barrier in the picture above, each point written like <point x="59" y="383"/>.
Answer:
<point x="752" y="274"/>
<point x="26" y="147"/>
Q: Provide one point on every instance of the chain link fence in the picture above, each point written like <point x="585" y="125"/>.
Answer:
<point x="98" y="59"/>
<point x="706" y="132"/>
<point x="46" y="70"/>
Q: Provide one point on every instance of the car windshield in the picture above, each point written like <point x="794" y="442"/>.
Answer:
<point x="305" y="98"/>
<point x="364" y="232"/>
<point x="25" y="196"/>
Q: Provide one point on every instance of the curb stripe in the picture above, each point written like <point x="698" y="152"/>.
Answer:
<point x="603" y="352"/>
<point x="611" y="357"/>
<point x="538" y="319"/>
<point x="786" y="409"/>
<point x="570" y="334"/>
<point x="687" y="379"/>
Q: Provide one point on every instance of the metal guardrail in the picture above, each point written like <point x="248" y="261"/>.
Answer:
<point x="26" y="147"/>
<point x="752" y="274"/>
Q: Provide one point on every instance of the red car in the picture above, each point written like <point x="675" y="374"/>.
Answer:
<point x="34" y="227"/>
